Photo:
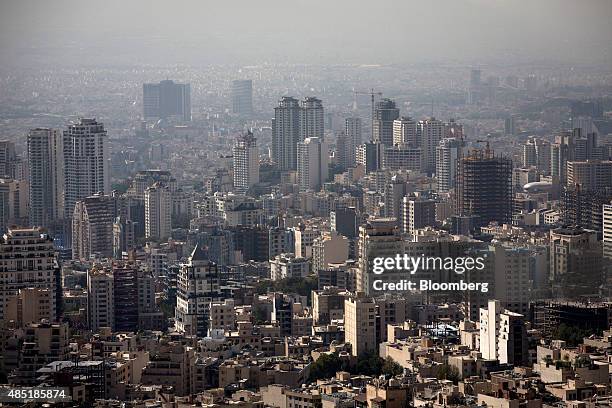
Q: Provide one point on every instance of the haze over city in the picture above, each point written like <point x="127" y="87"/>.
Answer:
<point x="307" y="31"/>
<point x="306" y="204"/>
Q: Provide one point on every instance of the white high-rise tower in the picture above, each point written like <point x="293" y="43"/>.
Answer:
<point x="431" y="132"/>
<point x="447" y="153"/>
<point x="86" y="162"/>
<point x="313" y="158"/>
<point x="158" y="212"/>
<point x="246" y="163"/>
<point x="311" y="118"/>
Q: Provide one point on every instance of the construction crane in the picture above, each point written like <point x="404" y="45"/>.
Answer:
<point x="488" y="152"/>
<point x="372" y="95"/>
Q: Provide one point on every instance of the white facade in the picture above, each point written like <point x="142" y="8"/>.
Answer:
<point x="27" y="260"/>
<point x="447" y="153"/>
<point x="197" y="286"/>
<point x="431" y="132"/>
<point x="379" y="237"/>
<point x="92" y="227"/>
<point x="86" y="162"/>
<point x="352" y="129"/>
<point x="502" y="335"/>
<point x="158" y="212"/>
<point x="417" y="213"/>
<point x="100" y="299"/>
<point x="246" y="163"/>
<point x="405" y="132"/>
<point x="311" y="118"/>
<point x="313" y="160"/>
<point x="360" y="324"/>
<point x="607" y="230"/>
<point x="285" y="266"/>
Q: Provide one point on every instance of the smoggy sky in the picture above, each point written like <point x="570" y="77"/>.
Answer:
<point x="316" y="31"/>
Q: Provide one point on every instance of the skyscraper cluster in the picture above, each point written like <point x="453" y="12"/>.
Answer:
<point x="166" y="100"/>
<point x="293" y="122"/>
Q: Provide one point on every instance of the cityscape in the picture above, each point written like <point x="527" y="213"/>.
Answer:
<point x="306" y="205"/>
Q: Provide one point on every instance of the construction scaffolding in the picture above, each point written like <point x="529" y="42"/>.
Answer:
<point x="484" y="187"/>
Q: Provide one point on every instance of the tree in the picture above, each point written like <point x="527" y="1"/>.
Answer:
<point x="301" y="286"/>
<point x="572" y="335"/>
<point x="391" y="368"/>
<point x="447" y="372"/>
<point x="326" y="366"/>
<point x="369" y="364"/>
<point x="259" y="315"/>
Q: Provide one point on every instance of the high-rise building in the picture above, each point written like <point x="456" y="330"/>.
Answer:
<point x="28" y="260"/>
<point x="121" y="296"/>
<point x="329" y="248"/>
<point x="46" y="182"/>
<point x="431" y="132"/>
<point x="313" y="160"/>
<point x="286" y="133"/>
<point x="124" y="236"/>
<point x="246" y="163"/>
<point x="575" y="261"/>
<point x="417" y="213"/>
<point x="146" y="178"/>
<point x="405" y="132"/>
<point x="31" y="305"/>
<point x="510" y="125"/>
<point x="86" y="162"/>
<point x="242" y="97"/>
<point x="393" y="193"/>
<point x="353" y="129"/>
<point x="311" y="118"/>
<point x="43" y="343"/>
<point x="8" y="159"/>
<point x="503" y="335"/>
<point x="344" y="220"/>
<point x="484" y="187"/>
<point x="158" y="211"/>
<point x="370" y="156"/>
<point x="536" y="153"/>
<point x="573" y="146"/>
<point x="378" y="237"/>
<point x="385" y="113"/>
<point x="590" y="175"/>
<point x="92" y="227"/>
<point x="475" y="89"/>
<point x="13" y="203"/>
<point x="607" y="230"/>
<point x="282" y="313"/>
<point x="360" y="324"/>
<point x="584" y="207"/>
<point x="449" y="150"/>
<point x="344" y="155"/>
<point x="166" y="99"/>
<point x="198" y="284"/>
<point x="402" y="157"/>
<point x="100" y="298"/>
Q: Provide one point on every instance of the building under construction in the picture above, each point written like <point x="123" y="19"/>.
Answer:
<point x="547" y="316"/>
<point x="585" y="207"/>
<point x="484" y="187"/>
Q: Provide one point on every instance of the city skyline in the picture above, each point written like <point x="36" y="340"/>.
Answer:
<point x="352" y="204"/>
